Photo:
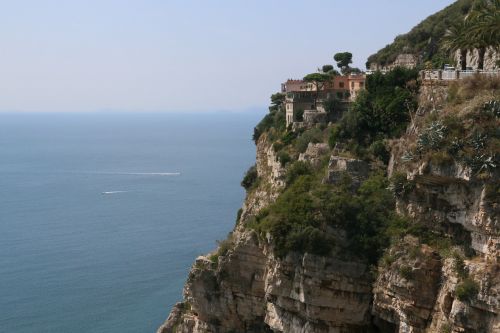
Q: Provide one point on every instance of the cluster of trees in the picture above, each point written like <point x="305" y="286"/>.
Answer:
<point x="327" y="72"/>
<point x="382" y="110"/>
<point x="299" y="217"/>
<point x="479" y="30"/>
<point x="425" y="38"/>
<point x="275" y="119"/>
<point x="464" y="25"/>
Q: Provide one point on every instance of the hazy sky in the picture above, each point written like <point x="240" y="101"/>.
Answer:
<point x="153" y="55"/>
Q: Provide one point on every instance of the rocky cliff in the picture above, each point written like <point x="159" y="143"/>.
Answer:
<point x="249" y="289"/>
<point x="438" y="270"/>
<point x="428" y="42"/>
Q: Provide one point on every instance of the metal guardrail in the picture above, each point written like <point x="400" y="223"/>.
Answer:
<point x="447" y="75"/>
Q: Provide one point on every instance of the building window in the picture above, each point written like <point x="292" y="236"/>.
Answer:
<point x="341" y="84"/>
<point x="352" y="85"/>
<point x="361" y="84"/>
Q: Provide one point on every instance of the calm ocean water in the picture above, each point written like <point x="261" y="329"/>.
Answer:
<point x="101" y="215"/>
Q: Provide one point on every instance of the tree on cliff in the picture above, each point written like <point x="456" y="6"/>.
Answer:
<point x="486" y="16"/>
<point x="277" y="100"/>
<point x="456" y="39"/>
<point x="327" y="68"/>
<point x="479" y="30"/>
<point x="318" y="80"/>
<point x="381" y="110"/>
<point x="343" y="60"/>
<point x="485" y="27"/>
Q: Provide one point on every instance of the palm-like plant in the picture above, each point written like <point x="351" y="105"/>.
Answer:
<point x="485" y="27"/>
<point x="479" y="30"/>
<point x="456" y="38"/>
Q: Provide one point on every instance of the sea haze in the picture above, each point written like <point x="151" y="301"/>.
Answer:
<point x="101" y="215"/>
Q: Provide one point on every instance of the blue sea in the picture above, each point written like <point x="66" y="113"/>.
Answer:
<point x="102" y="215"/>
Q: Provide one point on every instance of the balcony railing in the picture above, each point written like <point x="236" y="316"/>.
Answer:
<point x="447" y="75"/>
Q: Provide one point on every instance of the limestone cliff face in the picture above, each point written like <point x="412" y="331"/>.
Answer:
<point x="417" y="286"/>
<point x="418" y="291"/>
<point x="491" y="58"/>
<point x="248" y="289"/>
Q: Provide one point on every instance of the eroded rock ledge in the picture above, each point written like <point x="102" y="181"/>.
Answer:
<point x="414" y="289"/>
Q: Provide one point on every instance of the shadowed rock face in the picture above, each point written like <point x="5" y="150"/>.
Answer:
<point x="406" y="289"/>
<point x="415" y="288"/>
<point x="338" y="167"/>
<point x="250" y="290"/>
<point x="421" y="293"/>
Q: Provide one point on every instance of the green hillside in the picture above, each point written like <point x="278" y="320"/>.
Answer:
<point x="424" y="40"/>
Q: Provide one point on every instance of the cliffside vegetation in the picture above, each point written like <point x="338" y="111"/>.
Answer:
<point x="308" y="209"/>
<point x="465" y="132"/>
<point x="380" y="112"/>
<point x="425" y="38"/>
<point x="395" y="203"/>
<point x="463" y="26"/>
<point x="300" y="218"/>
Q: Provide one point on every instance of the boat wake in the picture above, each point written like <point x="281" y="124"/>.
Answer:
<point x="113" y="192"/>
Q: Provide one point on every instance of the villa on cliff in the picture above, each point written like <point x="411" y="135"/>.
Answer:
<point x="302" y="98"/>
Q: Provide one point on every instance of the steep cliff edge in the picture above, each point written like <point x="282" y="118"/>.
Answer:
<point x="448" y="185"/>
<point x="426" y="263"/>
<point x="249" y="289"/>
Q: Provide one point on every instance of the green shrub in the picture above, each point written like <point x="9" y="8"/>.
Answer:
<point x="332" y="107"/>
<point x="238" y="215"/>
<point x="445" y="328"/>
<point x="414" y="252"/>
<point x="440" y="158"/>
<point x="298" y="218"/>
<point x="453" y="96"/>
<point x="297" y="169"/>
<point x="406" y="272"/>
<point x="288" y="137"/>
<point x="333" y="136"/>
<point x="424" y="38"/>
<point x="379" y="151"/>
<point x="225" y="245"/>
<point x="467" y="290"/>
<point x="250" y="178"/>
<point x="459" y="265"/>
<point x="492" y="191"/>
<point x="492" y="108"/>
<point x="277" y="146"/>
<point x="431" y="137"/>
<point x="381" y="110"/>
<point x="313" y="135"/>
<point x="223" y="248"/>
<point x="308" y="239"/>
<point x="274" y="120"/>
<point x="387" y="259"/>
<point x="284" y="157"/>
<point x="291" y="217"/>
<point x="400" y="185"/>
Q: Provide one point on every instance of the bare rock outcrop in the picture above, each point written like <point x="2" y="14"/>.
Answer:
<point x="338" y="167"/>
<point x="249" y="289"/>
<point x="446" y="284"/>
<point x="406" y="288"/>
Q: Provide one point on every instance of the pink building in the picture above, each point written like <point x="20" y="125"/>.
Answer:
<point x="356" y="83"/>
<point x="301" y="95"/>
